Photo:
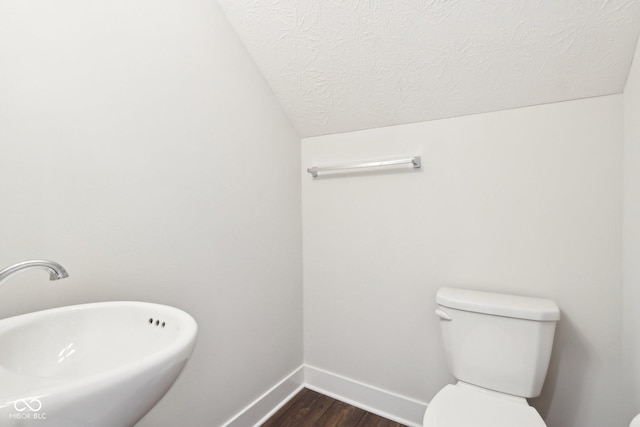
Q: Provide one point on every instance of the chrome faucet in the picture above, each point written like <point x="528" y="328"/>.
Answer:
<point x="56" y="271"/>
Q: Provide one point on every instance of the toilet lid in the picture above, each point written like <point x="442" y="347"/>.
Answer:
<point x="462" y="406"/>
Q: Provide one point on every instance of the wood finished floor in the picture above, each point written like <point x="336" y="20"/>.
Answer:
<point x="311" y="409"/>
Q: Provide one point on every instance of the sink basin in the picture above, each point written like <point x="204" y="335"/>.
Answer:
<point x="90" y="365"/>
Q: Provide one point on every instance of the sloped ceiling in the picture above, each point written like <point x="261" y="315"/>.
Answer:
<point x="343" y="65"/>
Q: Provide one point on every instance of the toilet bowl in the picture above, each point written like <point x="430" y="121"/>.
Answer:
<point x="462" y="405"/>
<point x="498" y="347"/>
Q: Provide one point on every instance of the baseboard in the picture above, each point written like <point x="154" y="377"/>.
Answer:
<point x="266" y="405"/>
<point x="372" y="399"/>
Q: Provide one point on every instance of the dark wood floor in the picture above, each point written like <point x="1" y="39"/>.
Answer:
<point x="311" y="409"/>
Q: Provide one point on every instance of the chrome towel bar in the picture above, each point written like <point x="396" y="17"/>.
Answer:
<point x="415" y="161"/>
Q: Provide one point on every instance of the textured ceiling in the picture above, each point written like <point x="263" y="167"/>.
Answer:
<point x="342" y="65"/>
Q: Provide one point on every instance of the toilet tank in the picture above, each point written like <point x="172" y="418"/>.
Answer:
<point x="497" y="341"/>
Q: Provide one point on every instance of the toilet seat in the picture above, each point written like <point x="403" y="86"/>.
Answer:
<point x="463" y="406"/>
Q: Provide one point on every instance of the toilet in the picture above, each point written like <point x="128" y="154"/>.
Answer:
<point x="498" y="348"/>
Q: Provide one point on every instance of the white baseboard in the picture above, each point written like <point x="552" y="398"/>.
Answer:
<point x="372" y="399"/>
<point x="266" y="405"/>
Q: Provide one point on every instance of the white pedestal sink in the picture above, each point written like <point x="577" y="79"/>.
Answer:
<point x="91" y="365"/>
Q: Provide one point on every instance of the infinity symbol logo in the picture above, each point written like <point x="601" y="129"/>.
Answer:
<point x="33" y="405"/>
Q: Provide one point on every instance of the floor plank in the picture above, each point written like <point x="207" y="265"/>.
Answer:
<point x="341" y="414"/>
<point x="307" y="407"/>
<point x="312" y="409"/>
<point x="373" y="420"/>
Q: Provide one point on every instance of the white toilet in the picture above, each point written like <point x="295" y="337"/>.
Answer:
<point x="498" y="348"/>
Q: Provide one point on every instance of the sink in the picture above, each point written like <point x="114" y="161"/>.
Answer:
<point x="91" y="365"/>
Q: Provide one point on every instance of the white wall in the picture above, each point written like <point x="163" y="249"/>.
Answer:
<point x="525" y="201"/>
<point x="143" y="150"/>
<point x="631" y="233"/>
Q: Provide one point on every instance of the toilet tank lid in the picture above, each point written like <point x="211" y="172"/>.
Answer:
<point x="499" y="304"/>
